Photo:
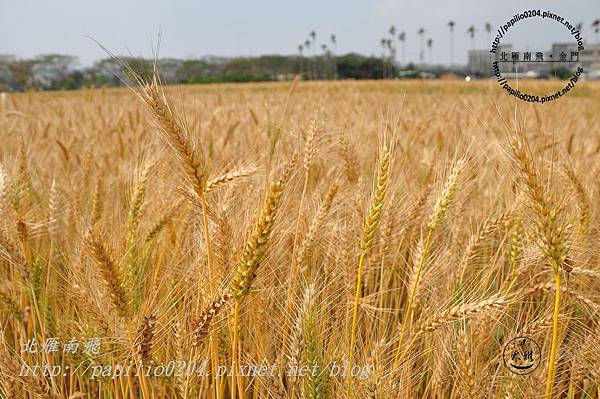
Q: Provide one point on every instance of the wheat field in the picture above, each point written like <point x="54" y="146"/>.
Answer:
<point x="299" y="240"/>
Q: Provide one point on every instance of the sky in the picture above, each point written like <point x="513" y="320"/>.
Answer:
<point x="194" y="28"/>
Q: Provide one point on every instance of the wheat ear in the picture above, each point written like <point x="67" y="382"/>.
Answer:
<point x="144" y="338"/>
<point x="3" y="186"/>
<point x="256" y="245"/>
<point x="54" y="223"/>
<point x="173" y="130"/>
<point x="453" y="314"/>
<point x="476" y="241"/>
<point x="228" y="177"/>
<point x="11" y="306"/>
<point x="582" y="200"/>
<point x="309" y="240"/>
<point x="15" y="256"/>
<point x="205" y="320"/>
<point x="348" y="155"/>
<point x="108" y="271"/>
<point x="13" y="378"/>
<point x="98" y="200"/>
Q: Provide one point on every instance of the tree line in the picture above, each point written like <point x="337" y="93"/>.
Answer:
<point x="64" y="72"/>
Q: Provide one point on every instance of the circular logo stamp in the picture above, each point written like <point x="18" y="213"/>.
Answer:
<point x="566" y="58"/>
<point x="521" y="355"/>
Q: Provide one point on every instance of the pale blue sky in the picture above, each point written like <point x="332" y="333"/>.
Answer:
<point x="192" y="28"/>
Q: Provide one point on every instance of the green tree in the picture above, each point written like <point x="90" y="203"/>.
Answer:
<point x="561" y="72"/>
<point x="356" y="66"/>
<point x="49" y="70"/>
<point x="21" y="74"/>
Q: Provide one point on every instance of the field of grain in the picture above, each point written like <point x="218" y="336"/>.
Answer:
<point x="278" y="236"/>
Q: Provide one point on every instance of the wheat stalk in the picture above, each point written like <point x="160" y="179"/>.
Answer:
<point x="315" y="381"/>
<point x="253" y="253"/>
<point x="370" y="226"/>
<point x="552" y="232"/>
<point x="440" y="211"/>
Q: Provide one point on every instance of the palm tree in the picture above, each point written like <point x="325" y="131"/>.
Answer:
<point x="471" y="33"/>
<point x="488" y="29"/>
<point x="596" y="26"/>
<point x="402" y="38"/>
<point x="421" y="32"/>
<point x="392" y="50"/>
<point x="313" y="37"/>
<point x="333" y="40"/>
<point x="451" y="25"/>
<point x="308" y="62"/>
<point x="392" y="32"/>
<point x="383" y="44"/>
<point x="324" y="72"/>
<point x="301" y="51"/>
<point x="430" y="47"/>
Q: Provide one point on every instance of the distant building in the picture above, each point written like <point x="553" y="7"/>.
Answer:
<point x="480" y="61"/>
<point x="590" y="60"/>
<point x="566" y="48"/>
